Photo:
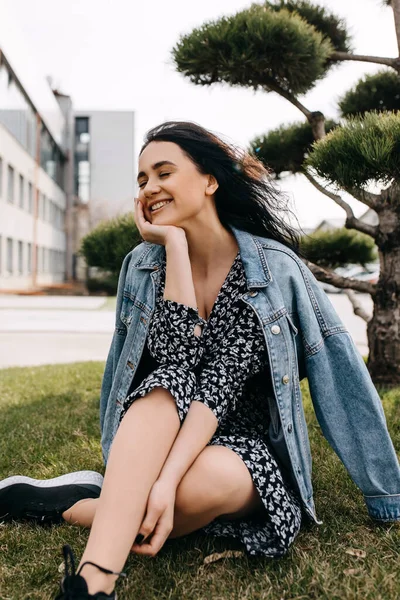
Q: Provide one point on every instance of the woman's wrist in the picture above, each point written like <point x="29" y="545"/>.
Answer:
<point x="176" y="238"/>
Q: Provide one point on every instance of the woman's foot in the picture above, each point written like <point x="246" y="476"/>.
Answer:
<point x="44" y="500"/>
<point x="74" y="586"/>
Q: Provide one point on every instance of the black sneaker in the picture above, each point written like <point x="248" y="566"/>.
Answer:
<point x="74" y="586"/>
<point x="44" y="500"/>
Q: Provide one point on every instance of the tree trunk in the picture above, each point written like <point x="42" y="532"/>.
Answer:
<point x="317" y="122"/>
<point x="384" y="327"/>
<point x="395" y="4"/>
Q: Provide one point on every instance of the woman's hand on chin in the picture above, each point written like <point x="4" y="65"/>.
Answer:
<point x="156" y="234"/>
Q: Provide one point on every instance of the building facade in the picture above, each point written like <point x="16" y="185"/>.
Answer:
<point x="34" y="151"/>
<point x="105" y="162"/>
<point x="61" y="172"/>
<point x="104" y="172"/>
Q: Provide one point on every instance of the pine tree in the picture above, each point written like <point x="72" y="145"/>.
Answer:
<point x="287" y="47"/>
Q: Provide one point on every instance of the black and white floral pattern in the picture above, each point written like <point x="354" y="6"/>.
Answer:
<point x="226" y="368"/>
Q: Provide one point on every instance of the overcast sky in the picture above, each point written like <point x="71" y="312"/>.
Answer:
<point x="116" y="55"/>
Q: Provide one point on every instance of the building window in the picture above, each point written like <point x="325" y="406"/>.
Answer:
<point x="30" y="198"/>
<point x="40" y="206"/>
<point x="21" y="192"/>
<point x="20" y="258"/>
<point x="82" y="159"/>
<point x="51" y="158"/>
<point x="46" y="260"/>
<point x="10" y="256"/>
<point x="29" y="258"/>
<point x="16" y="114"/>
<point x="10" y="184"/>
<point x="39" y="259"/>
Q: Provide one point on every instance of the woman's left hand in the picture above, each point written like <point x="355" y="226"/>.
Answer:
<point x="155" y="234"/>
<point x="159" y="519"/>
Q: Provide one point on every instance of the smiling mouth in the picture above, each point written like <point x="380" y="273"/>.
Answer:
<point x="161" y="207"/>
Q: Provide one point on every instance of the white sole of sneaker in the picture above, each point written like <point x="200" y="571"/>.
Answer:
<point x="77" y="478"/>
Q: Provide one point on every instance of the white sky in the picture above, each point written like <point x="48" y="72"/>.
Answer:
<point x="116" y="55"/>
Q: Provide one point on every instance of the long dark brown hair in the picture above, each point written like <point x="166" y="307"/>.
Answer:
<point x="247" y="197"/>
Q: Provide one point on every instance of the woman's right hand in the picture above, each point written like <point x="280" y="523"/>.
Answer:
<point x="156" y="234"/>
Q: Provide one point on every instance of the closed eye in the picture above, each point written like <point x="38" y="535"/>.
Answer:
<point x="161" y="175"/>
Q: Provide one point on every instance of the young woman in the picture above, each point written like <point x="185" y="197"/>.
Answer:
<point x="218" y="319"/>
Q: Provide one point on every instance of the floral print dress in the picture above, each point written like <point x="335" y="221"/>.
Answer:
<point x="225" y="368"/>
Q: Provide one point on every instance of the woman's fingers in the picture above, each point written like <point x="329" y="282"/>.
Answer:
<point x="156" y="541"/>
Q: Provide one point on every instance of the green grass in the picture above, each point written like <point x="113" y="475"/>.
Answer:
<point x="49" y="426"/>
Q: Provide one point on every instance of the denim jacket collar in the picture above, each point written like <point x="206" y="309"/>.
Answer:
<point x="258" y="274"/>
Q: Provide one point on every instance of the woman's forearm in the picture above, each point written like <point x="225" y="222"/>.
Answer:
<point x="196" y="431"/>
<point x="179" y="285"/>
<point x="178" y="279"/>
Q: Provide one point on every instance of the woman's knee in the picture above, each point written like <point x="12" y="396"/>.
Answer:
<point x="208" y="483"/>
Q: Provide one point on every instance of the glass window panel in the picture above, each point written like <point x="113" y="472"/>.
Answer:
<point x="10" y="256"/>
<point x="10" y="184"/>
<point x="29" y="258"/>
<point x="21" y="191"/>
<point x="30" y="197"/>
<point x="20" y="258"/>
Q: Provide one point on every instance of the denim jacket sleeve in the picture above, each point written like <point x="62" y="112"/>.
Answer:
<point x="347" y="405"/>
<point x="117" y="344"/>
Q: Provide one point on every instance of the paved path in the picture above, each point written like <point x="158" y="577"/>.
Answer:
<point x="37" y="330"/>
<point x="52" y="302"/>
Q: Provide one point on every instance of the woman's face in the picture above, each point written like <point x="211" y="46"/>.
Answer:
<point x="166" y="173"/>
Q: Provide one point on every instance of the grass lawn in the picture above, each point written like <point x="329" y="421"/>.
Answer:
<point x="49" y="426"/>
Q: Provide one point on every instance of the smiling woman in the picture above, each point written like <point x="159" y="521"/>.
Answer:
<point x="202" y="422"/>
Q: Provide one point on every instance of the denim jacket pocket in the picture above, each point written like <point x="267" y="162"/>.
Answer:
<point x="126" y="309"/>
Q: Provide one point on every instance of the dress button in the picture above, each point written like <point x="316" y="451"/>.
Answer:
<point x="275" y="329"/>
<point x="290" y="428"/>
<point x="253" y="293"/>
<point x="285" y="379"/>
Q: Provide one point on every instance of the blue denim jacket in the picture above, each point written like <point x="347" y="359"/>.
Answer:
<point x="304" y="338"/>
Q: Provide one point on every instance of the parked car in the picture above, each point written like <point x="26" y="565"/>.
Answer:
<point x="370" y="273"/>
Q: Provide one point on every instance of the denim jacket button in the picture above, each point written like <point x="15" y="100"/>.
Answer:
<point x="285" y="379"/>
<point x="290" y="428"/>
<point x="253" y="293"/>
<point x="275" y="329"/>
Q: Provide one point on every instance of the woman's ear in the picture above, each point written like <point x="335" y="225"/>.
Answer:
<point x="212" y="185"/>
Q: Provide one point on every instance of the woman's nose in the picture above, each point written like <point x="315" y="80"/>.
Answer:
<point x="150" y="189"/>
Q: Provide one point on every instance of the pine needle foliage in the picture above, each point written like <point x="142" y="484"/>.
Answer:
<point x="379" y="92"/>
<point x="339" y="247"/>
<point x="258" y="48"/>
<point x="361" y="150"/>
<point x="325" y="22"/>
<point x="107" y="245"/>
<point x="285" y="148"/>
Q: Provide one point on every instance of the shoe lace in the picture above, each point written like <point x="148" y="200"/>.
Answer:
<point x="70" y="570"/>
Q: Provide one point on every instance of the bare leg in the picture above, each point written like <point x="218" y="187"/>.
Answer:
<point x="82" y="512"/>
<point x="218" y="484"/>
<point x="137" y="455"/>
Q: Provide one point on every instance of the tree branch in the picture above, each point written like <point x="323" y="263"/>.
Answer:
<point x="380" y="60"/>
<point x="285" y="94"/>
<point x="338" y="281"/>
<point x="351" y="221"/>
<point x="368" y="198"/>
<point x="357" y="307"/>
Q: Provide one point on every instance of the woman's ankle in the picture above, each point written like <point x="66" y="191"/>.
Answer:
<point x="97" y="581"/>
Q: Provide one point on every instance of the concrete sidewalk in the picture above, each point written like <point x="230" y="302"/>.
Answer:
<point x="39" y="330"/>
